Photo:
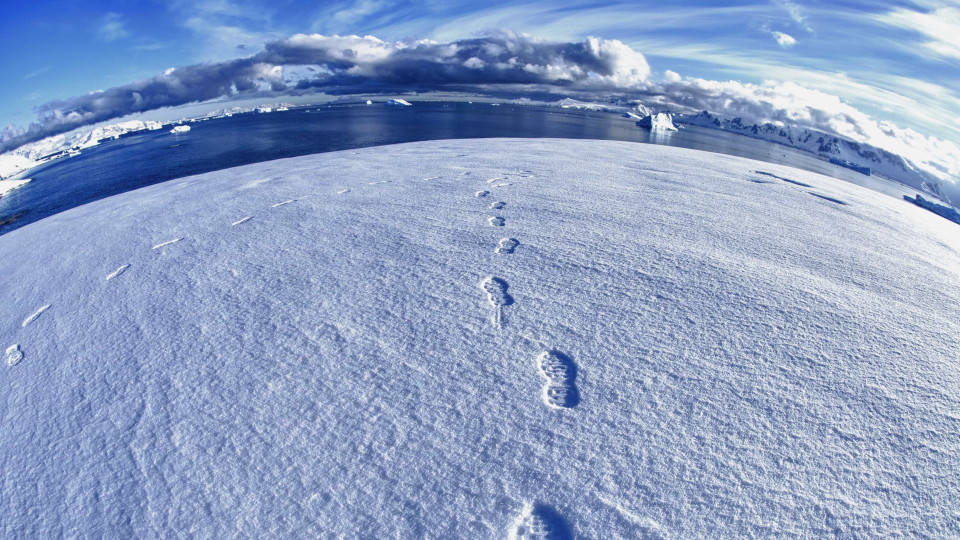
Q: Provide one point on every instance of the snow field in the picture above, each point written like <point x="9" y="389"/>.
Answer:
<point x="686" y="352"/>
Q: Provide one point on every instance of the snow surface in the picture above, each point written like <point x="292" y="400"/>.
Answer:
<point x="675" y="346"/>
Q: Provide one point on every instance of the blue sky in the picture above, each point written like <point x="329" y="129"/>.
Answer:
<point x="896" y="61"/>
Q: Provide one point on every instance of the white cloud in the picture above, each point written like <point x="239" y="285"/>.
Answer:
<point x="112" y="27"/>
<point x="796" y="13"/>
<point x="940" y="27"/>
<point x="784" y="40"/>
<point x="671" y="76"/>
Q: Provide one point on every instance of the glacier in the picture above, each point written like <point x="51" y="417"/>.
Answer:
<point x="654" y="342"/>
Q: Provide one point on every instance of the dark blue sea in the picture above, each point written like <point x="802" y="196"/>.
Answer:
<point x="140" y="159"/>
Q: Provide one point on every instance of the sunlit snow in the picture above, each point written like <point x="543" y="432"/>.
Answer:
<point x="610" y="340"/>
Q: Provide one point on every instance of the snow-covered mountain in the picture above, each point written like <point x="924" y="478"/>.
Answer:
<point x="31" y="155"/>
<point x="828" y="146"/>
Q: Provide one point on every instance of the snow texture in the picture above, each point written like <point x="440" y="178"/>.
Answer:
<point x="749" y="360"/>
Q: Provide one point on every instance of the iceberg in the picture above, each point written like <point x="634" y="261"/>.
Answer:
<point x="658" y="121"/>
<point x="180" y="129"/>
<point x="397" y="102"/>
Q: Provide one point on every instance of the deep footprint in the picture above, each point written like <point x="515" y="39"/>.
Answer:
<point x="561" y="373"/>
<point x="496" y="221"/>
<point x="507" y="245"/>
<point x="496" y="289"/>
<point x="14" y="355"/>
<point x="497" y="205"/>
<point x="540" y="522"/>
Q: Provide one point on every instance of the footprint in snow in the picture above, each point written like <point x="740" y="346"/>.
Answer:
<point x="481" y="193"/>
<point x="497" y="205"/>
<point x="496" y="289"/>
<point x="36" y="314"/>
<point x="540" y="522"/>
<point x="168" y="242"/>
<point x="117" y="272"/>
<point x="496" y="221"/>
<point x="507" y="245"/>
<point x="13" y="355"/>
<point x="560" y="392"/>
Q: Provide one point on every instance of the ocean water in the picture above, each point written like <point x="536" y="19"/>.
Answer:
<point x="141" y="159"/>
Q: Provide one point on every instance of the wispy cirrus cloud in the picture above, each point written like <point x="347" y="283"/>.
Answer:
<point x="796" y="12"/>
<point x="37" y="72"/>
<point x="112" y="27"/>
<point x="939" y="27"/>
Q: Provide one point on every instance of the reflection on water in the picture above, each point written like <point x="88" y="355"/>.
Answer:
<point x="660" y="136"/>
<point x="145" y="158"/>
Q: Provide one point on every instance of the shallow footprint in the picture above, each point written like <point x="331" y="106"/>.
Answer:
<point x="496" y="221"/>
<point x="540" y="522"/>
<point x="14" y="355"/>
<point x="168" y="242"/>
<point x="117" y="272"/>
<point x="507" y="245"/>
<point x="497" y="205"/>
<point x="561" y="373"/>
<point x="36" y="314"/>
<point x="481" y="193"/>
<point x="497" y="296"/>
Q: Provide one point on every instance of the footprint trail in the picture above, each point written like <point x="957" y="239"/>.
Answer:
<point x="117" y="272"/>
<point x="13" y="355"/>
<point x="560" y="392"/>
<point x="496" y="289"/>
<point x="168" y="242"/>
<point x="540" y="522"/>
<point x="507" y="245"/>
<point x="36" y="314"/>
